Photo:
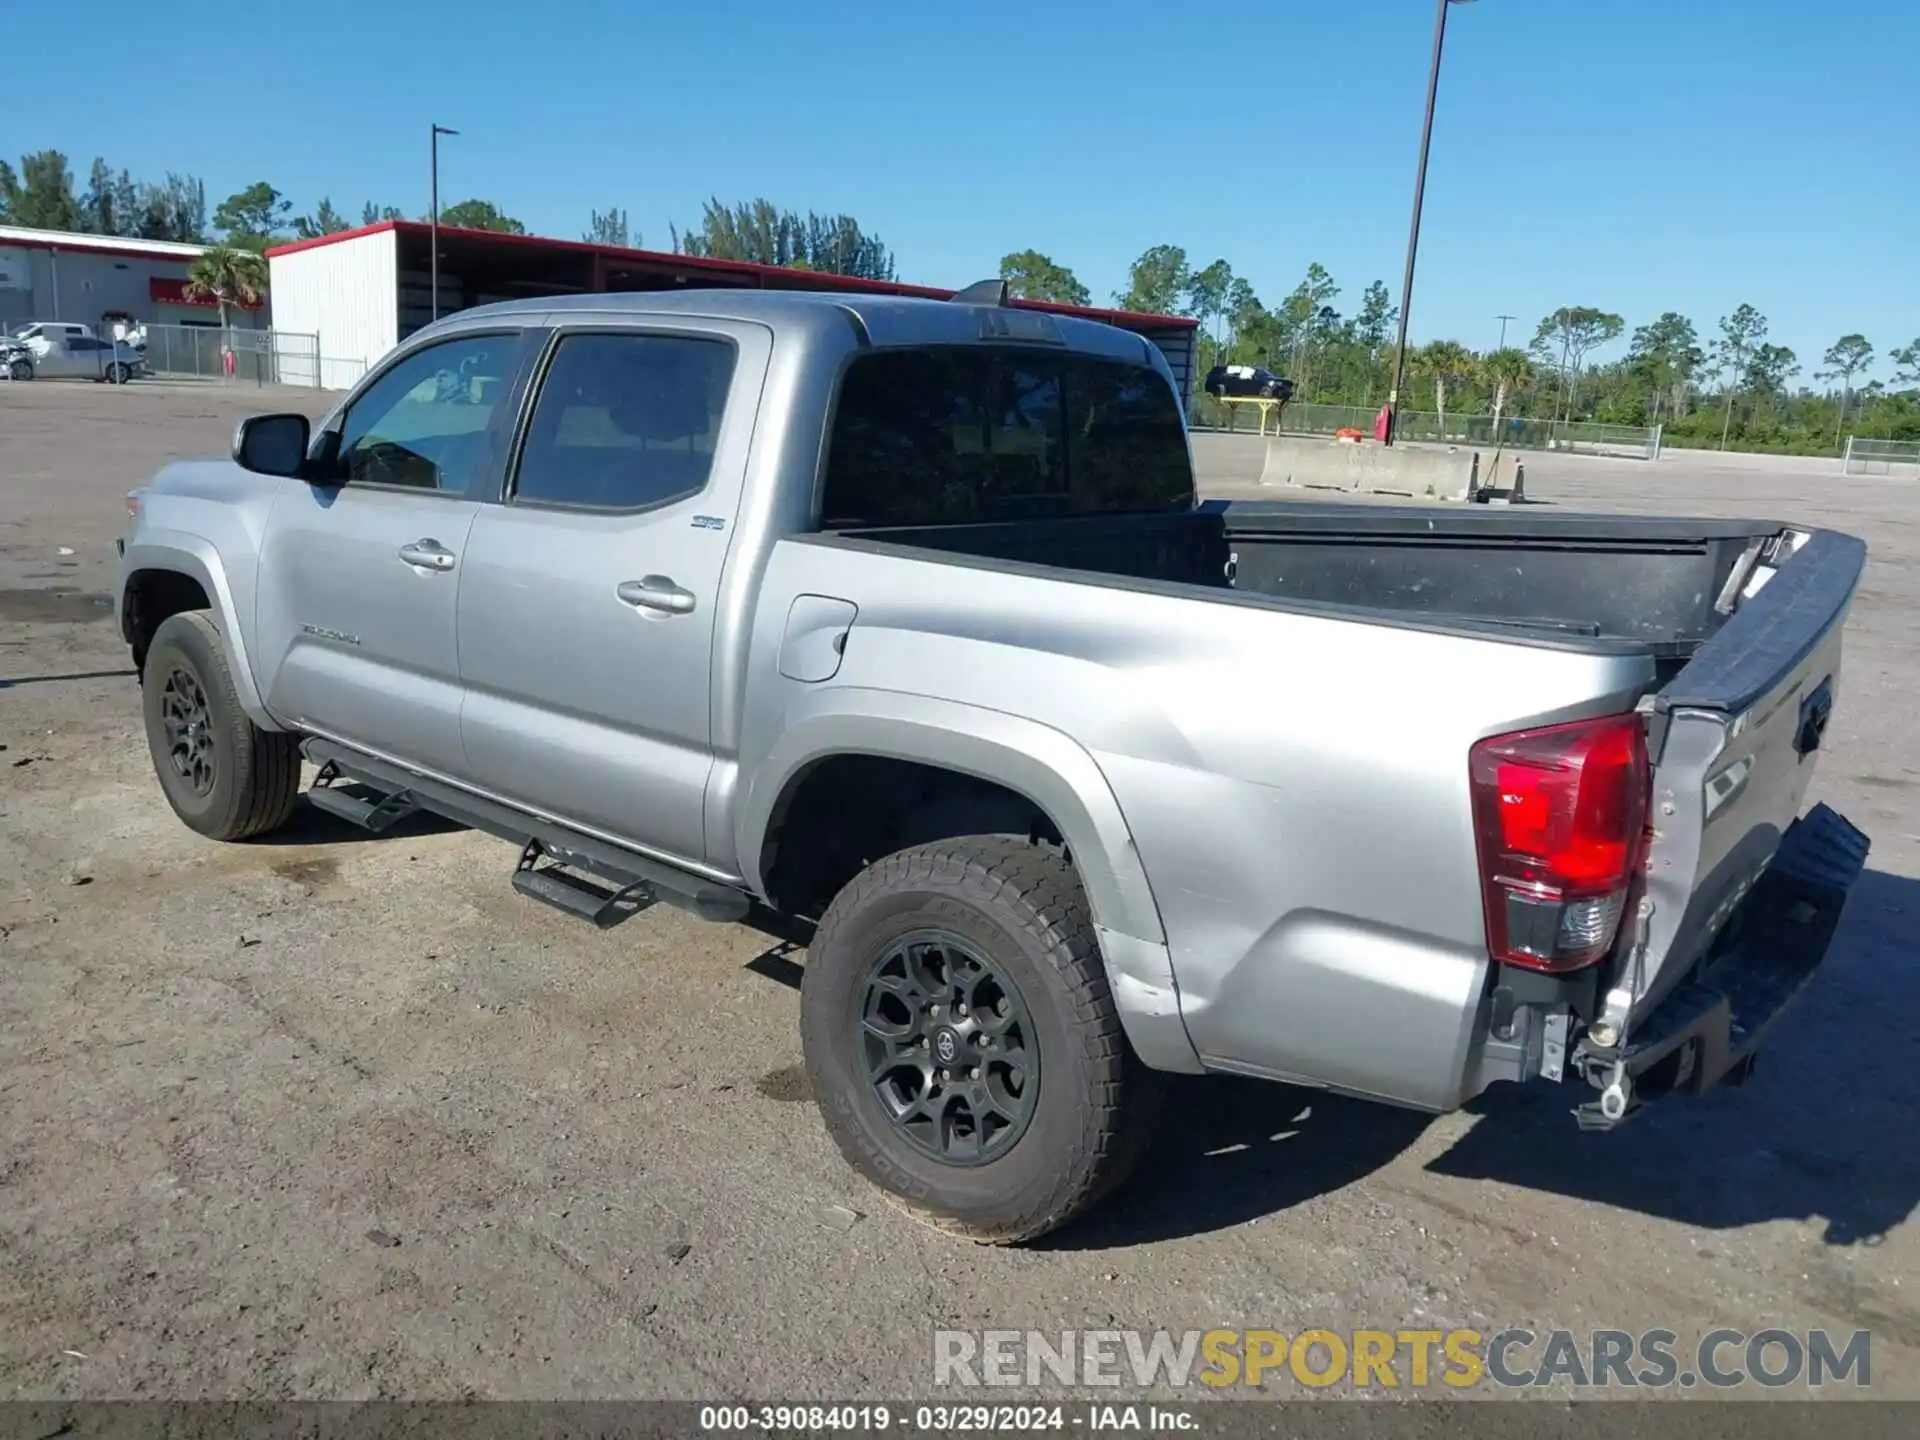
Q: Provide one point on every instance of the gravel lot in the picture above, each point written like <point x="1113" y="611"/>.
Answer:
<point x="332" y="1116"/>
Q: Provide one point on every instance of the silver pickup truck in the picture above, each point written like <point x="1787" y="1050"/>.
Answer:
<point x="903" y="618"/>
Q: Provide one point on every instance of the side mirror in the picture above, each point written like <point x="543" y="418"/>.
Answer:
<point x="271" y="444"/>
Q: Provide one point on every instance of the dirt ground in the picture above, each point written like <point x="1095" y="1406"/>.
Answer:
<point x="332" y="1116"/>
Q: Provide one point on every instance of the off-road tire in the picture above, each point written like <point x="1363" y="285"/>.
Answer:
<point x="256" y="773"/>
<point x="1021" y="904"/>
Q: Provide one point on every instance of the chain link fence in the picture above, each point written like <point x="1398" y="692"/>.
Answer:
<point x="1579" y="437"/>
<point x="241" y="356"/>
<point x="1880" y="457"/>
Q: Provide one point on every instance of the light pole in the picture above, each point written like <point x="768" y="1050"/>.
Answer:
<point x="1413" y="235"/>
<point x="433" y="217"/>
<point x="1503" y="329"/>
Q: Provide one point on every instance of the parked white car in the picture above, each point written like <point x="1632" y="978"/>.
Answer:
<point x="63" y="351"/>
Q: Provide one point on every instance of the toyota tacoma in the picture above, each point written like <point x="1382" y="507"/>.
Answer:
<point x="903" y="618"/>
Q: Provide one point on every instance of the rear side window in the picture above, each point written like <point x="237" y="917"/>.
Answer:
<point x="948" y="435"/>
<point x="624" y="422"/>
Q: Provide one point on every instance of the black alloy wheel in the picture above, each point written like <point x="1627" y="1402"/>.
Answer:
<point x="949" y="1047"/>
<point x="189" y="731"/>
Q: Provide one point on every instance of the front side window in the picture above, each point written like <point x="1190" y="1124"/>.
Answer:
<point x="944" y="435"/>
<point x="625" y="422"/>
<point x="423" y="424"/>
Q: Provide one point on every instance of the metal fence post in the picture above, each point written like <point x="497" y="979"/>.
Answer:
<point x="1658" y="431"/>
<point x="1846" y="458"/>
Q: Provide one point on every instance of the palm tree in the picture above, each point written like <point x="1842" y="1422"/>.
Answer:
<point x="1445" y="362"/>
<point x="228" y="276"/>
<point x="1510" y="370"/>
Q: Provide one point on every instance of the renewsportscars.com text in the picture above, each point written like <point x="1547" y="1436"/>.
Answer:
<point x="1402" y="1359"/>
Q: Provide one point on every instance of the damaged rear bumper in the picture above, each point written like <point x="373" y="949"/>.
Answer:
<point x="1712" y="1025"/>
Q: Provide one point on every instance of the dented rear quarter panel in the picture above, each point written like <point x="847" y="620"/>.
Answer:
<point x="1292" y="786"/>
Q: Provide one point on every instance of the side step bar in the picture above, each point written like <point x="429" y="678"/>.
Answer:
<point x="551" y="885"/>
<point x="637" y="879"/>
<point x="373" y="810"/>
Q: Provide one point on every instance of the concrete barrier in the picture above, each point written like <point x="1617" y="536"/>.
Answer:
<point x="1417" y="471"/>
<point x="1443" y="474"/>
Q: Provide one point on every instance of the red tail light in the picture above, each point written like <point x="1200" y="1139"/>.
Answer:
<point x="1560" y="814"/>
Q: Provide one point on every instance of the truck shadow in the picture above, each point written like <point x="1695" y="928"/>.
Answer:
<point x="1823" y="1130"/>
<point x="1233" y="1150"/>
<point x="311" y="825"/>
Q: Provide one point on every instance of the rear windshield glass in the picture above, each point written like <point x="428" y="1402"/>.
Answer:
<point x="948" y="435"/>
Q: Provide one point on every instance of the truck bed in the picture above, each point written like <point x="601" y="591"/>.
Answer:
<point x="1661" y="584"/>
<point x="1740" y="621"/>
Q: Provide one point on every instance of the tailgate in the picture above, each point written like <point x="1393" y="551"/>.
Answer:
<point x="1734" y="739"/>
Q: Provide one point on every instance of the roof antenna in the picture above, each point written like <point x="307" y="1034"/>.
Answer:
<point x="985" y="292"/>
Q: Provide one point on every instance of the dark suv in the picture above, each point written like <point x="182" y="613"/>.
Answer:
<point x="1249" y="381"/>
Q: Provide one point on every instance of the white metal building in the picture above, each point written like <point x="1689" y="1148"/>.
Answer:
<point x="363" y="291"/>
<point x="106" y="281"/>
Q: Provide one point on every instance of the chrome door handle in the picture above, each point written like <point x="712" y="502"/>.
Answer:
<point x="656" y="592"/>
<point x="429" y="553"/>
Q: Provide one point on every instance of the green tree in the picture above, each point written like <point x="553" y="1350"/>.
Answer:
<point x="1577" y="330"/>
<point x="41" y="196"/>
<point x="228" y="275"/>
<point x="761" y="232"/>
<point x="1247" y="322"/>
<point x="1665" y="355"/>
<point x="1033" y="276"/>
<point x="480" y="215"/>
<point x="1768" y="370"/>
<point x="126" y="203"/>
<point x="1307" y="319"/>
<point x="253" y="218"/>
<point x="1845" y="358"/>
<point x="1242" y="304"/>
<point x="372" y="214"/>
<point x="175" y="209"/>
<point x="1446" y="363"/>
<point x="108" y="207"/>
<point x="1511" y="372"/>
<point x="325" y="220"/>
<point x="1209" y="293"/>
<point x="836" y="245"/>
<point x="1156" y="283"/>
<point x="1907" y="359"/>
<point x="609" y="227"/>
<point x="1740" y="334"/>
<point x="1376" y="317"/>
<point x="1370" y="330"/>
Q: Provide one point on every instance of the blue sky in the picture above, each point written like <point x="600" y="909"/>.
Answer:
<point x="1639" y="155"/>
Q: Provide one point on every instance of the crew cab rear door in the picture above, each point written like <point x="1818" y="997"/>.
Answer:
<point x="590" y="598"/>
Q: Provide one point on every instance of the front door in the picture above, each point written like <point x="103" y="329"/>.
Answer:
<point x="359" y="578"/>
<point x="588" y="602"/>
